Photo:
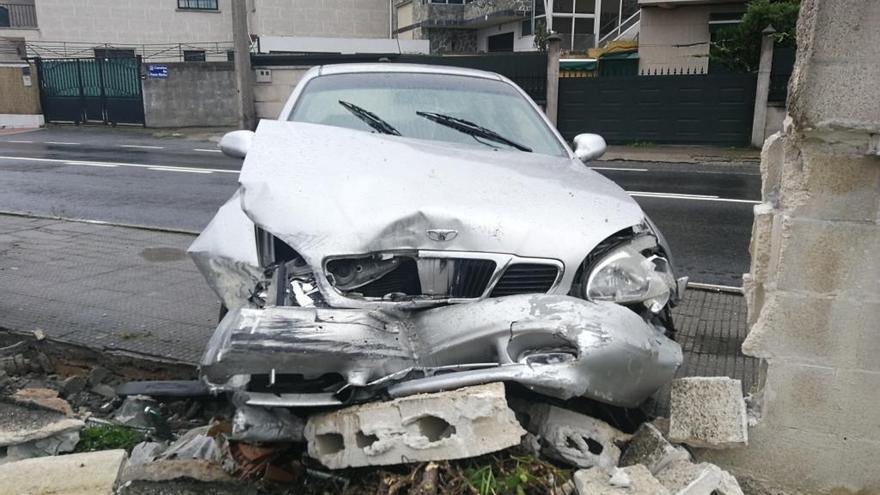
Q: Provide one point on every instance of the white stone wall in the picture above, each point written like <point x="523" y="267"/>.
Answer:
<point x="325" y="18"/>
<point x="813" y="291"/>
<point x="270" y="97"/>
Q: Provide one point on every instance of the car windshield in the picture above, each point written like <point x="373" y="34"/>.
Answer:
<point x="406" y="103"/>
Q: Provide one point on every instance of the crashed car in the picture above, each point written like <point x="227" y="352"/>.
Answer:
<point x="404" y="229"/>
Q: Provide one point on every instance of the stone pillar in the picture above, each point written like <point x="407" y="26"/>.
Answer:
<point x="813" y="290"/>
<point x="762" y="90"/>
<point x="554" y="42"/>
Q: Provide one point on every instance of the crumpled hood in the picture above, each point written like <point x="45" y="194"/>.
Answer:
<point x="329" y="191"/>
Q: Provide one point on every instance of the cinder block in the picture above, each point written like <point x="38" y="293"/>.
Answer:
<point x="632" y="480"/>
<point x="461" y="423"/>
<point x="650" y="449"/>
<point x="833" y="258"/>
<point x="708" y="412"/>
<point x="687" y="478"/>
<point x="571" y="437"/>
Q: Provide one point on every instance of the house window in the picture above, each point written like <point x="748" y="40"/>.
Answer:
<point x="194" y="55"/>
<point x="526" y="28"/>
<point x="4" y="17"/>
<point x="571" y="19"/>
<point x="197" y="4"/>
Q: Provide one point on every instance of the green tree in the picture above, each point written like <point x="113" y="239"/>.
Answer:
<point x="738" y="47"/>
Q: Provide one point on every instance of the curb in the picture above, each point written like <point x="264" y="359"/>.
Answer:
<point x="167" y="230"/>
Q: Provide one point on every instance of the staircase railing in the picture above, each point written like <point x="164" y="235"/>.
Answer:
<point x="621" y="28"/>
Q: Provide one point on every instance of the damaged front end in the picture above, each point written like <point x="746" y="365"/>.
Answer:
<point x="331" y="303"/>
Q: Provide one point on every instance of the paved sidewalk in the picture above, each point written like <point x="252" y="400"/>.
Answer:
<point x="134" y="290"/>
<point x="682" y="154"/>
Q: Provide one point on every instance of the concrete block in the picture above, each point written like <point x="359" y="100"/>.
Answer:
<point x="91" y="473"/>
<point x="168" y="470"/>
<point x="461" y="423"/>
<point x="632" y="480"/>
<point x="650" y="449"/>
<point x="832" y="258"/>
<point x="708" y="412"/>
<point x="687" y="478"/>
<point x="20" y="424"/>
<point x="571" y="437"/>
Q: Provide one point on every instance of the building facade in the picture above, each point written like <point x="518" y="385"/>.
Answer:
<point x="480" y="26"/>
<point x="676" y="34"/>
<point x="185" y="30"/>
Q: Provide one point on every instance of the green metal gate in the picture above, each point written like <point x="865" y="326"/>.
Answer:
<point x="81" y="90"/>
<point x="683" y="109"/>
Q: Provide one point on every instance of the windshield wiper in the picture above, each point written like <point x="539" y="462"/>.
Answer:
<point x="470" y="128"/>
<point x="370" y="118"/>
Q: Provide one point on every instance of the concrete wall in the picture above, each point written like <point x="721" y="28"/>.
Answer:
<point x="270" y="97"/>
<point x="813" y="290"/>
<point x="19" y="102"/>
<point x="663" y="32"/>
<point x="195" y="94"/>
<point x="327" y="18"/>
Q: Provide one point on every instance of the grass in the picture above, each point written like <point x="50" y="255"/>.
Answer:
<point x="107" y="437"/>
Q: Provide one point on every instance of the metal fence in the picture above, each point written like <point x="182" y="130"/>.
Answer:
<point x="164" y="52"/>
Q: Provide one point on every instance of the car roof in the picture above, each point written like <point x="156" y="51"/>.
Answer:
<point x="404" y="68"/>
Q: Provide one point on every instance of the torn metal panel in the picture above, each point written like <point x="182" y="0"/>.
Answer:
<point x="557" y="345"/>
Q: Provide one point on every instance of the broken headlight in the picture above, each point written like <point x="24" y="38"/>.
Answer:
<point x="632" y="274"/>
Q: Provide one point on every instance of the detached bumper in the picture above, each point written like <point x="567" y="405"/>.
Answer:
<point x="556" y="345"/>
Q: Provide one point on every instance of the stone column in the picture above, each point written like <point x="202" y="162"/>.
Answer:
<point x="554" y="42"/>
<point x="762" y="90"/>
<point x="813" y="291"/>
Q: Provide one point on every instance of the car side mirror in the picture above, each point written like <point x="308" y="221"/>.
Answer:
<point x="236" y="143"/>
<point x="589" y="146"/>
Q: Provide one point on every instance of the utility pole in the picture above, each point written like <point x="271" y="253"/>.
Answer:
<point x="554" y="42"/>
<point x="762" y="90"/>
<point x="244" y="76"/>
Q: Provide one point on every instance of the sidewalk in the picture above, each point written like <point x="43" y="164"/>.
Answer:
<point x="682" y="154"/>
<point x="127" y="289"/>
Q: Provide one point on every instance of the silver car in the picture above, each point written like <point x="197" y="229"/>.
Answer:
<point x="403" y="229"/>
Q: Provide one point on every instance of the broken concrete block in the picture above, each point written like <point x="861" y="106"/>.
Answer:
<point x="708" y="412"/>
<point x="144" y="452"/>
<point x="687" y="478"/>
<point x="597" y="481"/>
<point x="572" y="437"/>
<point x="649" y="448"/>
<point x="167" y="470"/>
<point x="194" y="444"/>
<point x="132" y="412"/>
<point x="43" y="397"/>
<point x="104" y="390"/>
<point x="92" y="473"/>
<point x="72" y="385"/>
<point x="59" y="443"/>
<point x="22" y="424"/>
<point x="460" y="423"/>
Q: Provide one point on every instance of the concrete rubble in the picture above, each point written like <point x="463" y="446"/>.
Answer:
<point x="687" y="478"/>
<point x="708" y="412"/>
<point x="649" y="448"/>
<point x="29" y="431"/>
<point x="573" y="438"/>
<point x="466" y="422"/>
<point x="92" y="473"/>
<point x="634" y="480"/>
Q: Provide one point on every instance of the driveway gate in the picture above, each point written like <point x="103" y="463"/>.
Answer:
<point x="676" y="109"/>
<point x="84" y="90"/>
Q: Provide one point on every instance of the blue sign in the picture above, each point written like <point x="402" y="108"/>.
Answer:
<point x="157" y="71"/>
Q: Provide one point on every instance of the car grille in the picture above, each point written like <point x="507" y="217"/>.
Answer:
<point x="469" y="278"/>
<point x="526" y="278"/>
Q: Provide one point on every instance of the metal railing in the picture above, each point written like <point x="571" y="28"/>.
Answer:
<point x="17" y="16"/>
<point x="622" y="28"/>
<point x="216" y="50"/>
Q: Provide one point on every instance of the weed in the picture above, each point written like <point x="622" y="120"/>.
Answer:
<point x="106" y="437"/>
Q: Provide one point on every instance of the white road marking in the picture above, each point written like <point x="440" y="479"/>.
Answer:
<point x="208" y="151"/>
<point x="18" y="141"/>
<point x="116" y="164"/>
<point x="180" y="169"/>
<point x="62" y="142"/>
<point x="694" y="197"/>
<point x="141" y="146"/>
<point x="623" y="169"/>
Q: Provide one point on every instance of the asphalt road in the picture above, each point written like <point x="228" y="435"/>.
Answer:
<point x="705" y="211"/>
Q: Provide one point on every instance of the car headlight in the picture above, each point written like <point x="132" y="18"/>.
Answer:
<point x="626" y="276"/>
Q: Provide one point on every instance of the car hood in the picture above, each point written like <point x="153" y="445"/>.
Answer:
<point x="329" y="191"/>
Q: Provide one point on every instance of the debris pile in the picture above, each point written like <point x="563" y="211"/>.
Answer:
<point x="477" y="438"/>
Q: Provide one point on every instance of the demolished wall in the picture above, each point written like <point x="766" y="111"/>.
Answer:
<point x="814" y="287"/>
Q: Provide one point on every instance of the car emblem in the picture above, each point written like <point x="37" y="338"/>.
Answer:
<point x="441" y="234"/>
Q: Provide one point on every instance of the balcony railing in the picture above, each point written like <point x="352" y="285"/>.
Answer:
<point x="18" y="16"/>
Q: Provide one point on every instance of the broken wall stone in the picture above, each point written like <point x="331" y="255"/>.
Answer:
<point x="461" y="423"/>
<point x="632" y="480"/>
<point x="649" y="448"/>
<point x="708" y="412"/>
<point x="814" y="285"/>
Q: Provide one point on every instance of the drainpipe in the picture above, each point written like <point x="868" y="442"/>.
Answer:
<point x="554" y="42"/>
<point x="762" y="89"/>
